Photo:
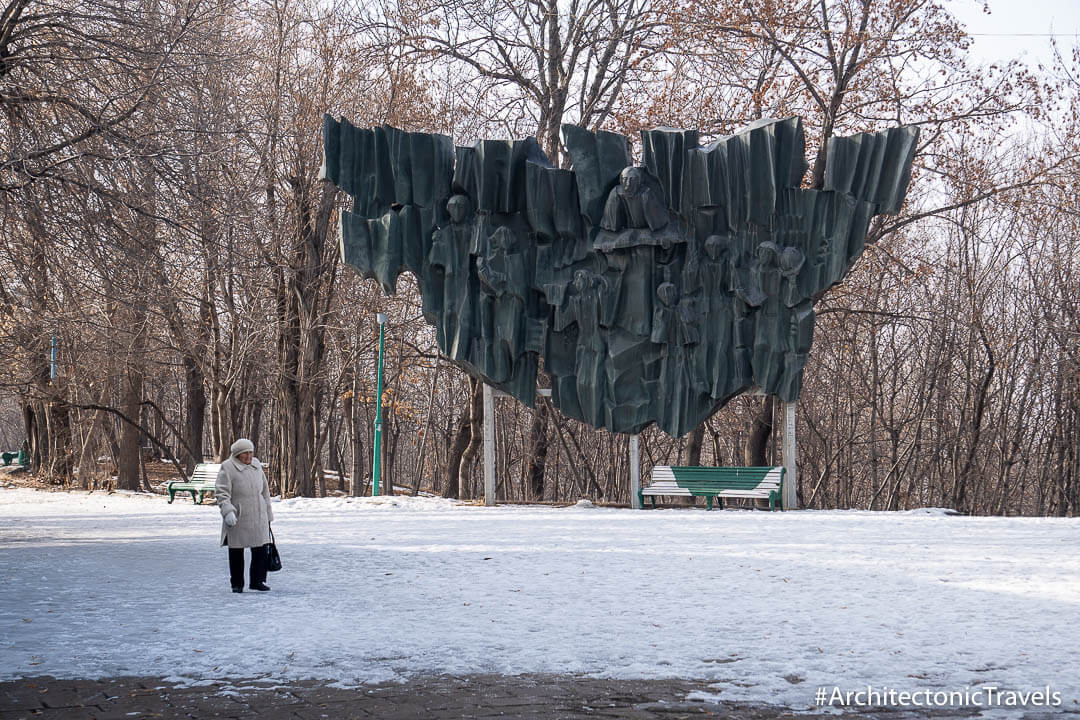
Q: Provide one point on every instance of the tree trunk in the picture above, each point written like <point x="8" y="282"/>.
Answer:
<point x="391" y="435"/>
<point x="135" y="315"/>
<point x="86" y="452"/>
<point x="34" y="427"/>
<point x="332" y="463"/>
<point x="304" y="290"/>
<point x="127" y="465"/>
<point x="758" y="442"/>
<point x="191" y="450"/>
<point x="468" y="437"/>
<point x="254" y="432"/>
<point x="60" y="453"/>
<point x="960" y="500"/>
<point x="35" y="422"/>
<point x="476" y="433"/>
<point x="223" y="430"/>
<point x="693" y="445"/>
<point x="538" y="441"/>
<point x="453" y="460"/>
<point x="351" y="409"/>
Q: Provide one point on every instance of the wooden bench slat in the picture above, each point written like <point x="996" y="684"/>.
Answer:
<point x="727" y="483"/>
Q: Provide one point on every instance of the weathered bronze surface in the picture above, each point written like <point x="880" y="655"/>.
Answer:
<point x="654" y="293"/>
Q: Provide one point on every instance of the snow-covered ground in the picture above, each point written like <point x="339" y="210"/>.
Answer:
<point x="768" y="606"/>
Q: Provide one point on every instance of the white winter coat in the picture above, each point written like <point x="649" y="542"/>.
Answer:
<point x="243" y="489"/>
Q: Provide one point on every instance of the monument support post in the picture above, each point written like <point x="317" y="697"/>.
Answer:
<point x="790" y="497"/>
<point x="489" y="445"/>
<point x="635" y="471"/>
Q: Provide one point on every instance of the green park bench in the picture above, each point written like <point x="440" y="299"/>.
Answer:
<point x="716" y="482"/>
<point x="202" y="482"/>
<point x="19" y="457"/>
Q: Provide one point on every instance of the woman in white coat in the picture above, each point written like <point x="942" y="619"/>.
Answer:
<point x="243" y="496"/>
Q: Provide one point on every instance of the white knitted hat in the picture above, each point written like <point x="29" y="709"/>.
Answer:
<point x="240" y="446"/>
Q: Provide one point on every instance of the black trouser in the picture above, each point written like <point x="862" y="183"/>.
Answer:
<point x="258" y="566"/>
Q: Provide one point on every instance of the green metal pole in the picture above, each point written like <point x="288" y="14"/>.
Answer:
<point x="377" y="463"/>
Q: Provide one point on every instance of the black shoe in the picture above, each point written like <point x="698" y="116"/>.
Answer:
<point x="238" y="589"/>
<point x="260" y="586"/>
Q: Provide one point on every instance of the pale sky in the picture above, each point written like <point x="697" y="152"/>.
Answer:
<point x="1019" y="28"/>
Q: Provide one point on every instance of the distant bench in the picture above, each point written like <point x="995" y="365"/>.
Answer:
<point x="719" y="482"/>
<point x="202" y="481"/>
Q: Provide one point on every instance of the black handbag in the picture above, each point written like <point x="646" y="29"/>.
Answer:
<point x="273" y="558"/>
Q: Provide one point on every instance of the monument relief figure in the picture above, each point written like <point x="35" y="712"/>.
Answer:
<point x="713" y="283"/>
<point x="635" y="214"/>
<point x="591" y="348"/>
<point x="450" y="253"/>
<point x="633" y="204"/>
<point x="504" y="275"/>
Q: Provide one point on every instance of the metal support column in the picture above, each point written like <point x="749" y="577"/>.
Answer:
<point x="790" y="498"/>
<point x="635" y="471"/>
<point x="489" y="445"/>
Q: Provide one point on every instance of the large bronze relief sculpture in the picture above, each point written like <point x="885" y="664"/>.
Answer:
<point x="653" y="292"/>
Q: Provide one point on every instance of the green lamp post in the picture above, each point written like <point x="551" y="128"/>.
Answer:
<point x="377" y="464"/>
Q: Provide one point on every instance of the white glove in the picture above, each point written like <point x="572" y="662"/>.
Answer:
<point x="230" y="519"/>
